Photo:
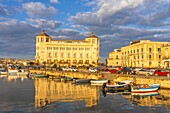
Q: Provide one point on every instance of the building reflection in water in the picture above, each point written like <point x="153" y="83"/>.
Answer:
<point x="162" y="97"/>
<point x="48" y="91"/>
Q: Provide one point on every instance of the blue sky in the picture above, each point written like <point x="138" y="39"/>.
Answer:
<point x="115" y="22"/>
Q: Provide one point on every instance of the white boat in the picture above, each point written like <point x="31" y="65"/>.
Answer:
<point x="116" y="86"/>
<point x="144" y="88"/>
<point x="22" y="72"/>
<point x="3" y="72"/>
<point x="98" y="82"/>
<point x="12" y="71"/>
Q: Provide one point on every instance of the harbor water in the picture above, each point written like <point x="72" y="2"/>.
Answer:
<point x="19" y="94"/>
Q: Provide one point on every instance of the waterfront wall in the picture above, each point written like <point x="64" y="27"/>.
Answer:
<point x="164" y="81"/>
<point x="83" y="75"/>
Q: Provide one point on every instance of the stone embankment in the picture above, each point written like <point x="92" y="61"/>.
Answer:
<point x="164" y="81"/>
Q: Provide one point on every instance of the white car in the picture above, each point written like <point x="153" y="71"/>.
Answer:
<point x="66" y="69"/>
<point x="74" y="69"/>
<point x="93" y="70"/>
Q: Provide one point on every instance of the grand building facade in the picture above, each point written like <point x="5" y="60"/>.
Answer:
<point x="67" y="52"/>
<point x="144" y="53"/>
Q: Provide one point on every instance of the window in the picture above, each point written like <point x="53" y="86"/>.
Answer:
<point x="150" y="56"/>
<point x="159" y="49"/>
<point x="137" y="50"/>
<point x="47" y="39"/>
<point x="159" y="57"/>
<point x="68" y="48"/>
<point x="87" y="55"/>
<point x="93" y="41"/>
<point x="42" y="40"/>
<point x="81" y="55"/>
<point x="141" y="49"/>
<point x="133" y="51"/>
<point x="62" y="55"/>
<point x="74" y="55"/>
<point x="68" y="55"/>
<point x="150" y="49"/>
<point x="62" y="48"/>
<point x="55" y="54"/>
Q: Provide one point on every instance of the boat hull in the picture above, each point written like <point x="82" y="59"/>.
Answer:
<point x="142" y="89"/>
<point x="98" y="82"/>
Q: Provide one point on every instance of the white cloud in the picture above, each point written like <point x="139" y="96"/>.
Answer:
<point x="44" y="23"/>
<point x="3" y="10"/>
<point x="55" y="1"/>
<point x="38" y="9"/>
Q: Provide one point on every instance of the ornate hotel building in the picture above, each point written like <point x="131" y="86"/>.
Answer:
<point x="144" y="53"/>
<point x="68" y="52"/>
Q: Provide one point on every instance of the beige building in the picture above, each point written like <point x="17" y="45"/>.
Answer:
<point x="68" y="52"/>
<point x="165" y="55"/>
<point x="143" y="53"/>
<point x="114" y="58"/>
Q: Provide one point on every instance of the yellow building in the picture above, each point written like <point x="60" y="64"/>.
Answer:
<point x="142" y="53"/>
<point x="114" y="58"/>
<point x="165" y="55"/>
<point x="68" y="52"/>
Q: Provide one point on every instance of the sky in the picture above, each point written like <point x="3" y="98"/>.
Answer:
<point x="115" y="22"/>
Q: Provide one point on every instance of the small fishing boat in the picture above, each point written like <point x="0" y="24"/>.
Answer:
<point x="143" y="88"/>
<point x="31" y="76"/>
<point x="98" y="82"/>
<point x="145" y="94"/>
<point x="116" y="86"/>
<point x="41" y="76"/>
<point x="82" y="81"/>
<point x="3" y="72"/>
<point x="22" y="72"/>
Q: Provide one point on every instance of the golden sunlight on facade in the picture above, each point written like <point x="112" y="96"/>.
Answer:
<point x="165" y="55"/>
<point x="68" y="52"/>
<point x="114" y="58"/>
<point x="48" y="91"/>
<point x="143" y="53"/>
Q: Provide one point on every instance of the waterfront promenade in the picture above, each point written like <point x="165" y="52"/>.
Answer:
<point x="139" y="79"/>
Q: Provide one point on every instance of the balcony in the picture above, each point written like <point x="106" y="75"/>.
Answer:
<point x="165" y="58"/>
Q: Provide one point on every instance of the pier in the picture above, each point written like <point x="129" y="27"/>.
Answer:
<point x="164" y="81"/>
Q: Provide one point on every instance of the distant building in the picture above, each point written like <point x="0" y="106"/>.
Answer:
<point x="144" y="53"/>
<point x="165" y="52"/>
<point x="67" y="52"/>
<point x="114" y="58"/>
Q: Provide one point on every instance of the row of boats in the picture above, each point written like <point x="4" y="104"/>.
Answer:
<point x="108" y="85"/>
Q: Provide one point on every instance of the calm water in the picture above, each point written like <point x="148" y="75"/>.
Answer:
<point x="19" y="94"/>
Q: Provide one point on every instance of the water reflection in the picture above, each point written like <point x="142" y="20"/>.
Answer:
<point x="13" y="78"/>
<point x="48" y="91"/>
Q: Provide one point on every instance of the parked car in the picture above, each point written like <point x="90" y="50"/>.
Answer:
<point x="163" y="72"/>
<point x="114" y="71"/>
<point x="74" y="69"/>
<point x="66" y="69"/>
<point x="93" y="70"/>
<point x="145" y="72"/>
<point x="126" y="70"/>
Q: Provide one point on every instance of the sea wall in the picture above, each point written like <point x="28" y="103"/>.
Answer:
<point x="164" y="81"/>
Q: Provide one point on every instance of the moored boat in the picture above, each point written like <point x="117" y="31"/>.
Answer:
<point x="31" y="76"/>
<point x="145" y="94"/>
<point x="81" y="81"/>
<point x="98" y="82"/>
<point x="144" y="88"/>
<point x="22" y="72"/>
<point x="41" y="76"/>
<point x="3" y="72"/>
<point x="116" y="86"/>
